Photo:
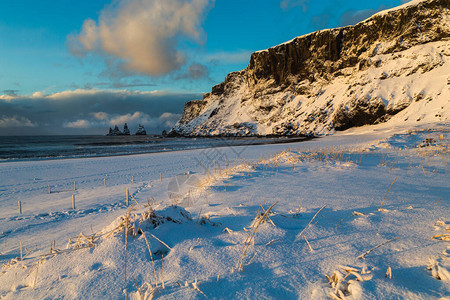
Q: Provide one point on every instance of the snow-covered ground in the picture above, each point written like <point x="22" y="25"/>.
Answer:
<point x="335" y="199"/>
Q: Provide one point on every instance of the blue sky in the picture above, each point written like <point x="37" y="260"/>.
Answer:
<point x="161" y="52"/>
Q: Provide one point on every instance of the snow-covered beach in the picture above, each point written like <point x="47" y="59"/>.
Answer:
<point x="368" y="209"/>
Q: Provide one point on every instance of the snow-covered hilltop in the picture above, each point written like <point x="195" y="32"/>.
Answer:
<point x="393" y="67"/>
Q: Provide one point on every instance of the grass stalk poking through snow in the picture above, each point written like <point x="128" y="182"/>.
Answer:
<point x="250" y="239"/>
<point x="309" y="245"/>
<point x="160" y="241"/>
<point x="151" y="257"/>
<point x="138" y="289"/>
<point x="381" y="207"/>
<point x="362" y="256"/>
<point x="162" y="271"/>
<point x="389" y="273"/>
<point x="35" y="276"/>
<point x="307" y="226"/>
<point x="126" y="240"/>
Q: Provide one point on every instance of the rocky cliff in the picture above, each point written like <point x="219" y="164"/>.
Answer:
<point x="392" y="67"/>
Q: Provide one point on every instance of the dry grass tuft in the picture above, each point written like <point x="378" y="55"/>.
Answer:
<point x="389" y="273"/>
<point x="259" y="219"/>
<point x="381" y="207"/>
<point x="437" y="270"/>
<point x="442" y="237"/>
<point x="341" y="284"/>
<point x="307" y="226"/>
<point x="363" y="256"/>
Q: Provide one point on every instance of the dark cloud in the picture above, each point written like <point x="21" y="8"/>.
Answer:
<point x="232" y="57"/>
<point x="335" y="13"/>
<point x="11" y="92"/>
<point x="321" y="21"/>
<point x="352" y="17"/>
<point x="194" y="72"/>
<point x="134" y="83"/>
<point x="114" y="85"/>
<point x="114" y="70"/>
<point x="287" y="4"/>
<point x="89" y="111"/>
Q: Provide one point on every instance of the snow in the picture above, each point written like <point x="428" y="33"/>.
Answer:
<point x="196" y="244"/>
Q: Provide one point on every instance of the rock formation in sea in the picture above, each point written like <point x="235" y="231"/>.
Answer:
<point x="126" y="131"/>
<point x="115" y="131"/>
<point x="141" y="130"/>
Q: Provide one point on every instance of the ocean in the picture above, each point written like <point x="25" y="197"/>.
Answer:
<point x="25" y="148"/>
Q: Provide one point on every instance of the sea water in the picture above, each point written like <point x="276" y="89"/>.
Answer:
<point x="19" y="148"/>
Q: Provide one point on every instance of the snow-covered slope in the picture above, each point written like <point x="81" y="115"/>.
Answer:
<point x="393" y="67"/>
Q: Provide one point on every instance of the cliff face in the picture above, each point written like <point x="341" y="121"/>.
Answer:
<point x="395" y="63"/>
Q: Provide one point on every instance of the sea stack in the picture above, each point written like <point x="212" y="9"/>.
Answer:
<point x="117" y="132"/>
<point x="141" y="130"/>
<point x="114" y="132"/>
<point x="126" y="131"/>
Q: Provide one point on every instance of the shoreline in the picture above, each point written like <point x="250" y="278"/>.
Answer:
<point x="272" y="140"/>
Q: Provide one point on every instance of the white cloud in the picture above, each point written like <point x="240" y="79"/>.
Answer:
<point x="167" y="115"/>
<point x="100" y="116"/>
<point x="15" y="121"/>
<point x="78" y="93"/>
<point x="7" y="97"/>
<point x="38" y="95"/>
<point x="137" y="117"/>
<point x="79" y="124"/>
<point x="102" y="120"/>
<point x="143" y="34"/>
<point x="169" y="119"/>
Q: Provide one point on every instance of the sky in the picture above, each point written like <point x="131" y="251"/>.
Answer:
<point x="80" y="67"/>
